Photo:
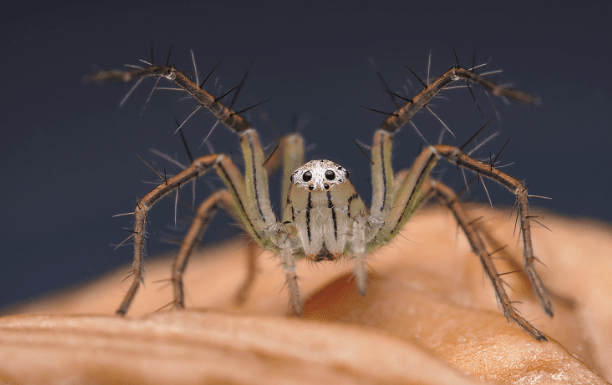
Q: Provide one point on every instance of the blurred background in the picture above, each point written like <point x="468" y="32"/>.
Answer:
<point x="69" y="152"/>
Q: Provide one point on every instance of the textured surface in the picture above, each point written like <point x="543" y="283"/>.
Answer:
<point x="429" y="317"/>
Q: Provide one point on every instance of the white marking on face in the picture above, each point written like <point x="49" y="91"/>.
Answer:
<point x="319" y="175"/>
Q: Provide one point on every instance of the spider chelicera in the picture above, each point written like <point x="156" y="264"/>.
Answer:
<point x="323" y="217"/>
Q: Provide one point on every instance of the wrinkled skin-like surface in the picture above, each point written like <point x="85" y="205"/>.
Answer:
<point x="429" y="317"/>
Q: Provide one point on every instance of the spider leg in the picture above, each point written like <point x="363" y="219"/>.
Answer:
<point x="290" y="155"/>
<point x="230" y="119"/>
<point x="204" y="215"/>
<point x="288" y="262"/>
<point x="385" y="219"/>
<point x="382" y="182"/>
<point x="291" y="145"/>
<point x="404" y="197"/>
<point x="252" y="252"/>
<point x="198" y="167"/>
<point x="358" y="242"/>
<point x="396" y="198"/>
<point x="403" y="115"/>
<point x="256" y="184"/>
<point x="249" y="193"/>
<point x="291" y="152"/>
<point x="247" y="213"/>
<point x="447" y="197"/>
<point x="456" y="156"/>
<point x="413" y="190"/>
<point x="293" y="157"/>
<point x="257" y="204"/>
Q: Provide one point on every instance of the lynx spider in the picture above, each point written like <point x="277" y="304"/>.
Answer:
<point x="320" y="192"/>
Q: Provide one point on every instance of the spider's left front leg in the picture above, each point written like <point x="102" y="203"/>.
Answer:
<point x="448" y="197"/>
<point x="416" y="187"/>
<point x="456" y="156"/>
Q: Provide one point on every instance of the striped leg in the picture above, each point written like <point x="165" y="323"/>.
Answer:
<point x="447" y="197"/>
<point x="198" y="167"/>
<point x="456" y="156"/>
<point x="204" y="215"/>
<point x="250" y="193"/>
<point x="407" y="195"/>
<point x="288" y="262"/>
<point x="237" y="191"/>
<point x="251" y="261"/>
<point x="359" y="254"/>
<point x="413" y="189"/>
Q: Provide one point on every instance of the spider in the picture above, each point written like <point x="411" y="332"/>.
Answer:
<point x="323" y="216"/>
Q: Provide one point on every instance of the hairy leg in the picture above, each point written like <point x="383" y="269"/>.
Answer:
<point x="204" y="215"/>
<point x="447" y="197"/>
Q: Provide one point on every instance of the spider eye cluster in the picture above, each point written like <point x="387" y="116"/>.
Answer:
<point x="319" y="175"/>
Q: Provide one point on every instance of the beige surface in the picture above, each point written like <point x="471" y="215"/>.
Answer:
<point x="429" y="317"/>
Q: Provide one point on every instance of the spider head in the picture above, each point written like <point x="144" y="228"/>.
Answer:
<point x="319" y="175"/>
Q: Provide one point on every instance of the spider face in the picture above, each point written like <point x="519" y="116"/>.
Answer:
<point x="319" y="175"/>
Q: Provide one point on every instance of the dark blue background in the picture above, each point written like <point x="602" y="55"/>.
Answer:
<point x="68" y="157"/>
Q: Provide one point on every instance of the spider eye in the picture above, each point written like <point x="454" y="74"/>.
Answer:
<point x="330" y="175"/>
<point x="311" y="187"/>
<point x="326" y="186"/>
<point x="346" y="174"/>
<point x="307" y="176"/>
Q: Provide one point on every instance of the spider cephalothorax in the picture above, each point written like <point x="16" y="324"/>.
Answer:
<point x="323" y="216"/>
<point x="321" y="205"/>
